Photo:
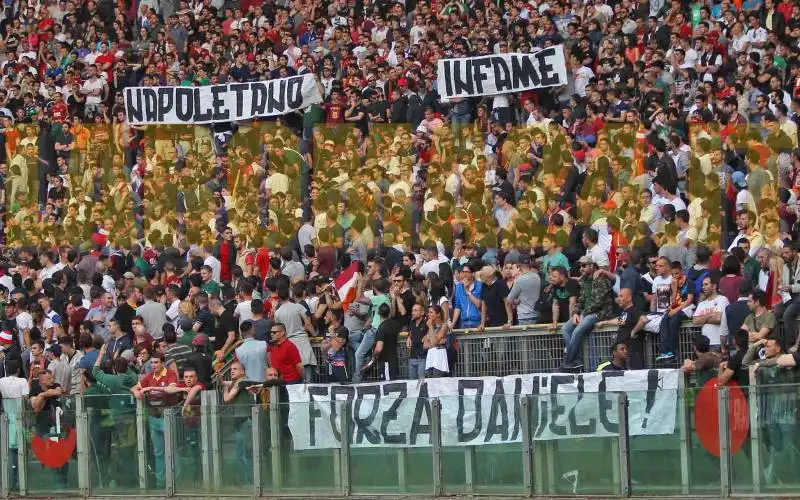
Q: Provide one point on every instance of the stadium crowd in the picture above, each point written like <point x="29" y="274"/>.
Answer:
<point x="659" y="186"/>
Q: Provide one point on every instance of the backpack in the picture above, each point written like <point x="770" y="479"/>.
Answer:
<point x="697" y="276"/>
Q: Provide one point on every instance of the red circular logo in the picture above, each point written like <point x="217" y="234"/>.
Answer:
<point x="706" y="417"/>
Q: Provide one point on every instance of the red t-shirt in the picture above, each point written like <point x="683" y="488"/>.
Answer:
<point x="224" y="258"/>
<point x="159" y="398"/>
<point x="284" y="357"/>
<point x="59" y="111"/>
<point x="262" y="262"/>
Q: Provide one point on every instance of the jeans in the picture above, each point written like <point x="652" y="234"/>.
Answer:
<point x="354" y="339"/>
<point x="528" y="321"/>
<point x="244" y="451"/>
<point x="308" y="373"/>
<point x="669" y="332"/>
<point x="416" y="368"/>
<point x="788" y="312"/>
<point x="573" y="336"/>
<point x="362" y="353"/>
<point x="156" y="425"/>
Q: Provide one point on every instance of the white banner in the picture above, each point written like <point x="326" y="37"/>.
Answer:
<point x="220" y="103"/>
<point x="478" y="411"/>
<point x="501" y="73"/>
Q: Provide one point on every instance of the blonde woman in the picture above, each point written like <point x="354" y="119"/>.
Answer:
<point x="186" y="316"/>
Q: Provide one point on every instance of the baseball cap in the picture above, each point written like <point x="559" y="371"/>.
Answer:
<point x="610" y="205"/>
<point x="586" y="259"/>
<point x="55" y="349"/>
<point x="128" y="275"/>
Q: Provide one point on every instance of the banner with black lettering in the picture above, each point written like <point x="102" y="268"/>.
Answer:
<point x="219" y="103"/>
<point x="486" y="410"/>
<point x="501" y="73"/>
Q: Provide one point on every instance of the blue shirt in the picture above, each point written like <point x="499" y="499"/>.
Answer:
<point x="252" y="354"/>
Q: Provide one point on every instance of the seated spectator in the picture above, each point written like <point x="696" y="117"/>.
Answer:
<point x="710" y="310"/>
<point x="594" y="304"/>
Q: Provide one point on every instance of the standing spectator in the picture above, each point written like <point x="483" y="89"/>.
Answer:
<point x="760" y="323"/>
<point x="415" y="342"/>
<point x="284" y="356"/>
<point x="252" y="354"/>
<point x="235" y="393"/>
<point x="709" y="311"/>
<point x="153" y="313"/>
<point x="385" y="352"/>
<point x="496" y="310"/>
<point x="297" y="324"/>
<point x="525" y="291"/>
<point x="156" y="400"/>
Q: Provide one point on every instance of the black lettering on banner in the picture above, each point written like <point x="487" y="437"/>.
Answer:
<point x="463" y="386"/>
<point x="363" y="424"/>
<point x="150" y="104"/>
<point x="459" y="84"/>
<point x="478" y="73"/>
<point x="523" y="72"/>
<point x="294" y="91"/>
<point x="606" y="404"/>
<point x="517" y="409"/>
<point x="183" y="103"/>
<point x="258" y="103"/>
<point x="239" y="89"/>
<point x="221" y="112"/>
<point x="652" y="387"/>
<point x="166" y="101"/>
<point x="502" y="77"/>
<point x="280" y="103"/>
<point x="390" y="414"/>
<point x="541" y="415"/>
<point x="314" y="413"/>
<point x="200" y="114"/>
<point x="546" y="71"/>
<point x="500" y="407"/>
<point x="448" y="82"/>
<point x="422" y="409"/>
<point x="133" y="110"/>
<point x="576" y="429"/>
<point x="336" y="391"/>
<point x="557" y="409"/>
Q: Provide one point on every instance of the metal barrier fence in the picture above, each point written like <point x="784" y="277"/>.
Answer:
<point x="523" y="349"/>
<point x="112" y="446"/>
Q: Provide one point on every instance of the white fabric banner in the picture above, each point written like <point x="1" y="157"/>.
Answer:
<point x="478" y="411"/>
<point x="501" y="73"/>
<point x="219" y="103"/>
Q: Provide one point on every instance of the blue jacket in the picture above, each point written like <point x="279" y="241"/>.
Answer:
<point x="470" y="314"/>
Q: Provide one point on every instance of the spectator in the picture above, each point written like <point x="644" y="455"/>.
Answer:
<point x="593" y="305"/>
<point x="681" y="307"/>
<point x="236" y="393"/>
<point x="619" y="358"/>
<point x="284" y="356"/>
<point x="437" y="358"/>
<point x="760" y="324"/>
<point x="706" y="360"/>
<point x="525" y="292"/>
<point x="150" y="388"/>
<point x="385" y="352"/>
<point x="710" y="310"/>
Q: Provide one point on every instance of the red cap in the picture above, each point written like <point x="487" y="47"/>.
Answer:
<point x="403" y="82"/>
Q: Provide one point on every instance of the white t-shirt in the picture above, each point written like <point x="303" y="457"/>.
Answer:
<point x="215" y="265"/>
<point x="431" y="267"/>
<point x="717" y="304"/>
<point x="243" y="311"/>
<point x="662" y="288"/>
<point x="97" y="84"/>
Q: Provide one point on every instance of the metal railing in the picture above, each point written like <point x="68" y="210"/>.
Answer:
<point x="523" y="349"/>
<point x="220" y="449"/>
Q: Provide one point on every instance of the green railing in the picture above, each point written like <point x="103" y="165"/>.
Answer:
<point x="101" y="446"/>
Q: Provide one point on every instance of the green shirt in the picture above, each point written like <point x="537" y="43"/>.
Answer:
<point x="550" y="261"/>
<point x="211" y="287"/>
<point x="376" y="301"/>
